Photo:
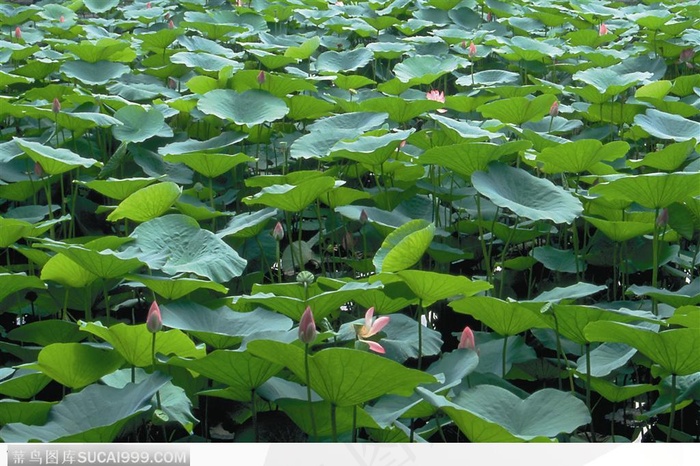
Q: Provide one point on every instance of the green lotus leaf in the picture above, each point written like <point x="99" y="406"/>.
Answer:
<point x="175" y="288"/>
<point x="133" y="342"/>
<point x="505" y="318"/>
<point x="668" y="126"/>
<point x="139" y="124"/>
<point x="240" y="371"/>
<point x="248" y="224"/>
<point x="668" y="159"/>
<point x="527" y="196"/>
<point x="209" y="165"/>
<point x="28" y="413"/>
<point x="487" y="413"/>
<point x="214" y="144"/>
<point x="101" y="50"/>
<point x="580" y="156"/>
<point x="687" y="316"/>
<point x="534" y="50"/>
<point x="118" y="189"/>
<point x="205" y="61"/>
<point x="399" y="110"/>
<point x="13" y="282"/>
<point x="470" y="157"/>
<point x="372" y="150"/>
<point x="345" y="61"/>
<point x="621" y="230"/>
<point x="22" y="383"/>
<point x="279" y="85"/>
<point x="176" y="244"/>
<point x="54" y="161"/>
<point x="688" y="295"/>
<point x="424" y="69"/>
<point x="572" y="292"/>
<point x="248" y="108"/>
<point x="610" y="82"/>
<point x="458" y="131"/>
<point x="559" y="260"/>
<point x="290" y="197"/>
<point x="430" y="287"/>
<point x="147" y="203"/>
<point x="489" y="78"/>
<point x="654" y="191"/>
<point x="90" y="415"/>
<point x="11" y="230"/>
<point x="97" y="73"/>
<point x="305" y="50"/>
<point x="77" y="365"/>
<point x="671" y="349"/>
<point x="342" y="376"/>
<point x="404" y="246"/>
<point x="518" y="110"/>
<point x="605" y="359"/>
<point x="46" y="332"/>
<point x="346" y="418"/>
<point x="100" y="6"/>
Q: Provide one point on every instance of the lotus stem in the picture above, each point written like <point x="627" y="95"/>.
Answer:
<point x="308" y="393"/>
<point x="673" y="409"/>
<point x="334" y="428"/>
<point x="354" y="424"/>
<point x="588" y="387"/>
<point x="503" y="360"/>
<point x="655" y="261"/>
<point x="254" y="415"/>
<point x="420" y="334"/>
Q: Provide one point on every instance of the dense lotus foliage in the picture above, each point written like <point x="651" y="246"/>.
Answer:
<point x="383" y="220"/>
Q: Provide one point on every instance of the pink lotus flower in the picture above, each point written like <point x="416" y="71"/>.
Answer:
<point x="38" y="170"/>
<point x="662" y="219"/>
<point x="686" y="57"/>
<point x="61" y="19"/>
<point x="148" y="5"/>
<point x="466" y="340"/>
<point x="371" y="328"/>
<point x="489" y="17"/>
<point x="278" y="232"/>
<point x="154" y="321"/>
<point x="437" y="96"/>
<point x="18" y="33"/>
<point x="472" y="49"/>
<point x="56" y="105"/>
<point x="554" y="109"/>
<point x="261" y="77"/>
<point x="307" y="327"/>
<point x="171" y="25"/>
<point x="603" y="29"/>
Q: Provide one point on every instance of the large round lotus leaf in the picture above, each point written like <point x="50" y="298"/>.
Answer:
<point x="404" y="246"/>
<point x="248" y="108"/>
<point x="558" y="260"/>
<point x="505" y="318"/>
<point x="534" y="50"/>
<point x="675" y="350"/>
<point x="176" y="244"/>
<point x="580" y="156"/>
<point x="687" y="295"/>
<point x="605" y="359"/>
<point x="248" y="224"/>
<point x="610" y="82"/>
<point x="134" y="342"/>
<point x="488" y="78"/>
<point x="488" y="413"/>
<point x="424" y="69"/>
<point x="118" y="189"/>
<point x="77" y="365"/>
<point x="343" y="376"/>
<point x="305" y="50"/>
<point x="518" y="110"/>
<point x="139" y="124"/>
<point x="94" y="73"/>
<point x="240" y="371"/>
<point x="103" y="263"/>
<point x="430" y="287"/>
<point x="90" y="415"/>
<point x="175" y="288"/>
<point x="22" y="383"/>
<point x="371" y="150"/>
<point x="292" y="198"/>
<point x="13" y="282"/>
<point x="46" y="332"/>
<point x="214" y="144"/>
<point x="11" y="230"/>
<point x="62" y="269"/>
<point x="209" y="165"/>
<point x="399" y="110"/>
<point x="147" y="203"/>
<point x="99" y="50"/>
<point x="100" y="6"/>
<point x="467" y="158"/>
<point x="668" y="126"/>
<point x="667" y="159"/>
<point x="526" y="195"/>
<point x="31" y="412"/>
<point x="654" y="191"/>
<point x="54" y="161"/>
<point x="619" y="230"/>
<point x="350" y="60"/>
<point x="205" y="61"/>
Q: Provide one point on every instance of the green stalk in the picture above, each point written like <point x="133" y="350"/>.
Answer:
<point x="254" y="415"/>
<point x="673" y="409"/>
<point x="420" y="334"/>
<point x="334" y="428"/>
<point x="354" y="424"/>
<point x="279" y="262"/>
<point x="308" y="394"/>
<point x="503" y="360"/>
<point x="588" y="387"/>
<point x="655" y="261"/>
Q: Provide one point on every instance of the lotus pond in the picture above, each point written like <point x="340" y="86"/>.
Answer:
<point x="383" y="220"/>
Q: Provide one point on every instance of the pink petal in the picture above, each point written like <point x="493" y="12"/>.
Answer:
<point x="376" y="347"/>
<point x="378" y="324"/>
<point x="368" y="317"/>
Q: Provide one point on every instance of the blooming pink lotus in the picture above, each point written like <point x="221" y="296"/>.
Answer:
<point x="437" y="96"/>
<point x="466" y="340"/>
<point x="307" y="327"/>
<point x="154" y="321"/>
<point x="371" y="328"/>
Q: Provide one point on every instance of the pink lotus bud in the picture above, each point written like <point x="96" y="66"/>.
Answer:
<point x="307" y="327"/>
<point x="463" y="44"/>
<point x="662" y="219"/>
<point x="154" y="322"/>
<point x="554" y="109"/>
<point x="56" y="105"/>
<point x="472" y="49"/>
<point x="261" y="77"/>
<point x="466" y="340"/>
<point x="148" y="5"/>
<point x="18" y="33"/>
<point x="603" y="29"/>
<point x="489" y="17"/>
<point x="278" y="232"/>
<point x="686" y="57"/>
<point x="38" y="169"/>
<point x="363" y="217"/>
<point x="61" y="19"/>
<point x="348" y="241"/>
<point x="171" y="25"/>
<point x="402" y="144"/>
